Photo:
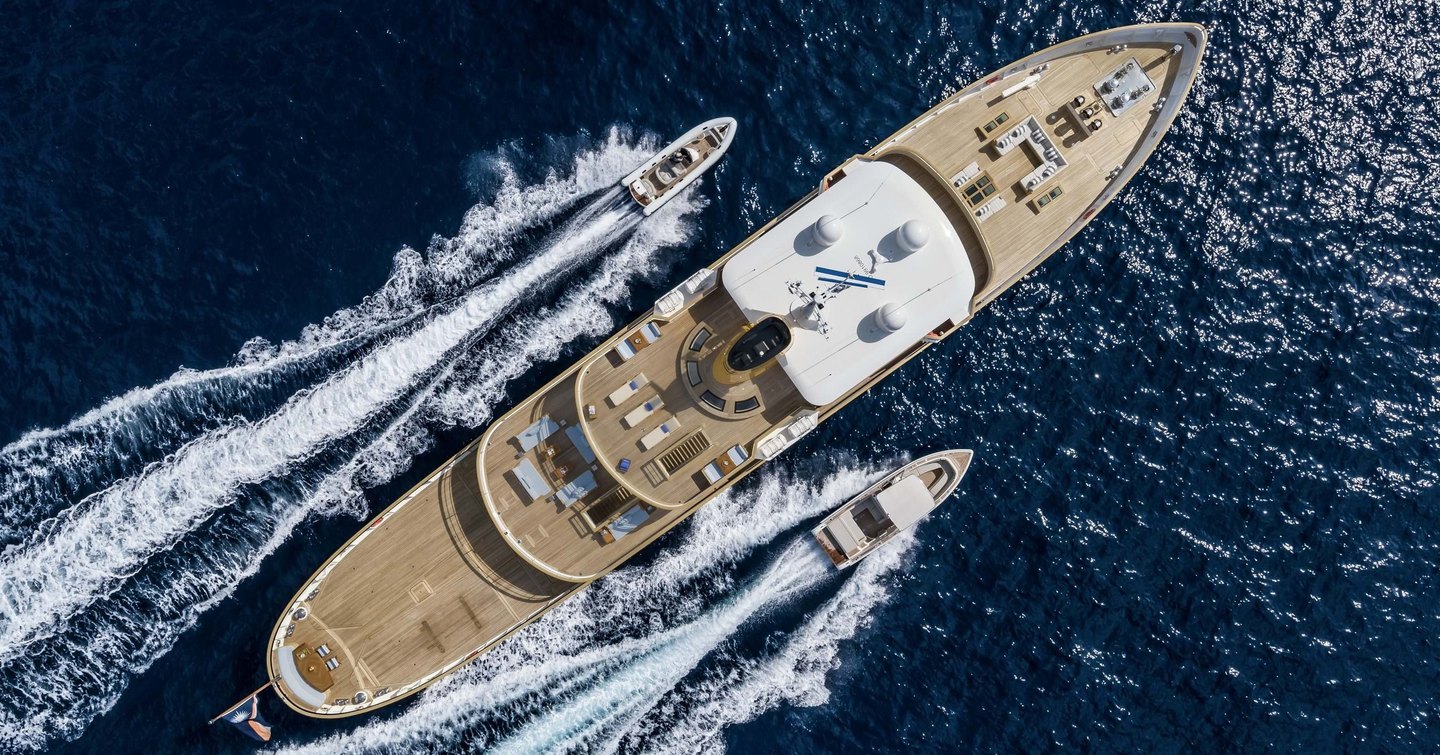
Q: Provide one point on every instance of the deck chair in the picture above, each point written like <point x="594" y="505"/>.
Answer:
<point x="625" y="351"/>
<point x="642" y="412"/>
<point x="659" y="435"/>
<point x="576" y="489"/>
<point x="627" y="391"/>
<point x="531" y="436"/>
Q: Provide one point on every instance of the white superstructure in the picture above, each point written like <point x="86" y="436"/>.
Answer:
<point x="861" y="273"/>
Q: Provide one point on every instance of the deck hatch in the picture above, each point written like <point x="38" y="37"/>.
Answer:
<point x="979" y="189"/>
<point x="420" y="591"/>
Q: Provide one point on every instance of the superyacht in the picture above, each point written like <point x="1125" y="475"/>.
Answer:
<point x="893" y="251"/>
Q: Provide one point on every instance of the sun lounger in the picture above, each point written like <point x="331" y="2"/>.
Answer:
<point x="629" y="521"/>
<point x="647" y="334"/>
<point x="529" y="478"/>
<point x="642" y="412"/>
<point x="670" y="303"/>
<point x="625" y="350"/>
<point x="845" y="534"/>
<point x="703" y="280"/>
<point x="659" y="435"/>
<point x="577" y="437"/>
<point x="627" y="391"/>
<point x="725" y="464"/>
<point x="576" y="489"/>
<point x="531" y="436"/>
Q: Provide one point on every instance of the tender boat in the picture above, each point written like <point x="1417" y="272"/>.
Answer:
<point x="678" y="165"/>
<point x="896" y="249"/>
<point x="891" y="506"/>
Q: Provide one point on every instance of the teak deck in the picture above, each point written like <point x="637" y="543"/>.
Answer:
<point x="466" y="558"/>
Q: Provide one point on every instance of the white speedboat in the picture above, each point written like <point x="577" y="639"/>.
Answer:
<point x="679" y="164"/>
<point x="889" y="507"/>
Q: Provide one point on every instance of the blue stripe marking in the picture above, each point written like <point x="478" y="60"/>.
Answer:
<point x="851" y="276"/>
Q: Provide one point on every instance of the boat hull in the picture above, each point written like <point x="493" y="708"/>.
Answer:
<point x="952" y="465"/>
<point x="649" y="205"/>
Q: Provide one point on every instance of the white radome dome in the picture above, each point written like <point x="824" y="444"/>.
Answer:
<point x="891" y="317"/>
<point x="828" y="230"/>
<point x="913" y="236"/>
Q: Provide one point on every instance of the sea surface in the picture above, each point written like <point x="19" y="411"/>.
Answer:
<point x="264" y="265"/>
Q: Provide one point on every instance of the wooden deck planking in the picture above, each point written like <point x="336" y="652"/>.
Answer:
<point x="663" y="363"/>
<point x="554" y="534"/>
<point x="438" y="602"/>
<point x="1016" y="235"/>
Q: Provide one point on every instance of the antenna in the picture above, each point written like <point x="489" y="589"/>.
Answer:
<point x="813" y="302"/>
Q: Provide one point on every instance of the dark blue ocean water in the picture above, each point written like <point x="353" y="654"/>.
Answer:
<point x="1202" y="515"/>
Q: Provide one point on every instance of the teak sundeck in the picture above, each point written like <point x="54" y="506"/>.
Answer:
<point x="896" y="249"/>
<point x="679" y="164"/>
<point x="889" y="507"/>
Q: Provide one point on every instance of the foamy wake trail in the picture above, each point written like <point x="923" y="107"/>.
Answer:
<point x="639" y="672"/>
<point x="793" y="675"/>
<point x="111" y="534"/>
<point x="46" y="470"/>
<point x="110" y="584"/>
<point x="593" y="671"/>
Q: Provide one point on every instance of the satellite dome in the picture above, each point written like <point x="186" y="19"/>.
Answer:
<point x="828" y="230"/>
<point x="912" y="236"/>
<point x="891" y="317"/>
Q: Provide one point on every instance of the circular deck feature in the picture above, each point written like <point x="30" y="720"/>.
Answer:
<point x="718" y="390"/>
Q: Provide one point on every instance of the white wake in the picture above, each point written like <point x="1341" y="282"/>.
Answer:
<point x="39" y="470"/>
<point x="105" y="587"/>
<point x="112" y="533"/>
<point x="597" y="670"/>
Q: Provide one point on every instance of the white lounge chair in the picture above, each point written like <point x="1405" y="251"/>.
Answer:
<point x="658" y="436"/>
<point x="670" y="303"/>
<point x="990" y="208"/>
<point x="963" y="177"/>
<point x="650" y="332"/>
<point x="736" y="455"/>
<point x="846" y="534"/>
<point x="624" y="350"/>
<point x="627" y="391"/>
<point x="701" y="281"/>
<point x="642" y="412"/>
